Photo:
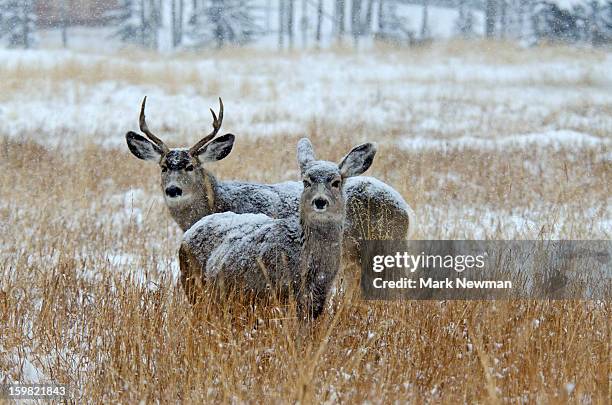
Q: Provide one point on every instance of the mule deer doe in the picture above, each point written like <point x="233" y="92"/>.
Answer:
<point x="191" y="191"/>
<point x="295" y="255"/>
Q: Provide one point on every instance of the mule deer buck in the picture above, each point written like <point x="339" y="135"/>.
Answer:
<point x="191" y="191"/>
<point x="294" y="255"/>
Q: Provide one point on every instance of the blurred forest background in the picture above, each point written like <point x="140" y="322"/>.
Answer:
<point x="292" y="24"/>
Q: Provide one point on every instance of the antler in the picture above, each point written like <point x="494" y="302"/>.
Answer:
<point x="145" y="129"/>
<point x="216" y="127"/>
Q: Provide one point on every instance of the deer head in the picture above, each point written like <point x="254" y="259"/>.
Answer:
<point x="323" y="199"/>
<point x="182" y="170"/>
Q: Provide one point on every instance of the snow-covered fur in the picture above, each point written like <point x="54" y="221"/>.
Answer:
<point x="258" y="253"/>
<point x="374" y="209"/>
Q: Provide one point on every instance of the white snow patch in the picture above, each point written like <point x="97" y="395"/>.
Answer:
<point x="555" y="139"/>
<point x="22" y="367"/>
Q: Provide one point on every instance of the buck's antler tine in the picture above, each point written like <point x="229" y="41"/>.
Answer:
<point x="216" y="127"/>
<point x="145" y="129"/>
<point x="220" y="112"/>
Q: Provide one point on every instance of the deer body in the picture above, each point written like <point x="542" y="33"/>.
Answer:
<point x="227" y="248"/>
<point x="374" y="210"/>
<point x="213" y="196"/>
<point x="255" y="252"/>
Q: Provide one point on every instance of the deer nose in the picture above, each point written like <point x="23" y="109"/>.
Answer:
<point x="174" y="191"/>
<point x="320" y="204"/>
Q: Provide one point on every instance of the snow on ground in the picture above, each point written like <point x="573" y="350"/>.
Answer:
<point x="483" y="222"/>
<point x="440" y="98"/>
<point x="420" y="101"/>
<point x="554" y="139"/>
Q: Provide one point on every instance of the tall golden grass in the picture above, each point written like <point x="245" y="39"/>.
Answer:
<point x="85" y="320"/>
<point x="88" y="294"/>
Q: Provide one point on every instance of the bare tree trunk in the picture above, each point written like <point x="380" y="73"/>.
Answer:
<point x="424" y="22"/>
<point x="218" y="28"/>
<point x="181" y="11"/>
<point x="143" y="22"/>
<point x="155" y="21"/>
<point x="503" y="19"/>
<point x="355" y="20"/>
<point x="177" y="22"/>
<point x="367" y="28"/>
<point x="290" y="25"/>
<point x="65" y="18"/>
<point x="304" y="23"/>
<point x="592" y="24"/>
<point x="281" y="24"/>
<point x="319" y="21"/>
<point x="26" y="28"/>
<point x="381" y="16"/>
<point x="342" y="16"/>
<point x="195" y="11"/>
<point x="339" y="19"/>
<point x="268" y="15"/>
<point x="490" y="12"/>
<point x="521" y="18"/>
<point x="462" y="18"/>
<point x="173" y="23"/>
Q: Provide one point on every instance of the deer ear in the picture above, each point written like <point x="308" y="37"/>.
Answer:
<point x="357" y="160"/>
<point x="142" y="148"/>
<point x="305" y="152"/>
<point x="218" y="149"/>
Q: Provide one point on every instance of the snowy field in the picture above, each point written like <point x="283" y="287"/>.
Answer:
<point x="484" y="141"/>
<point x="444" y="101"/>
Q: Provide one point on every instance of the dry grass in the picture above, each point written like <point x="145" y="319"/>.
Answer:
<point x="88" y="292"/>
<point x="124" y="332"/>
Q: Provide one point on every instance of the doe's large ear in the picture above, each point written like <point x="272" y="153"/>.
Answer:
<point x="357" y="160"/>
<point x="142" y="148"/>
<point x="217" y="149"/>
<point x="305" y="152"/>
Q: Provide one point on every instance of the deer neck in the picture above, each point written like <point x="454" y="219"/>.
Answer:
<point x="321" y="249"/>
<point x="202" y="203"/>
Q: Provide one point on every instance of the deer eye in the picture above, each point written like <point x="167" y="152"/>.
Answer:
<point x="336" y="184"/>
<point x="307" y="184"/>
<point x="189" y="168"/>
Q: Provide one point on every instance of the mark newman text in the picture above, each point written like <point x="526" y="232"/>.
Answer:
<point x="406" y="282"/>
